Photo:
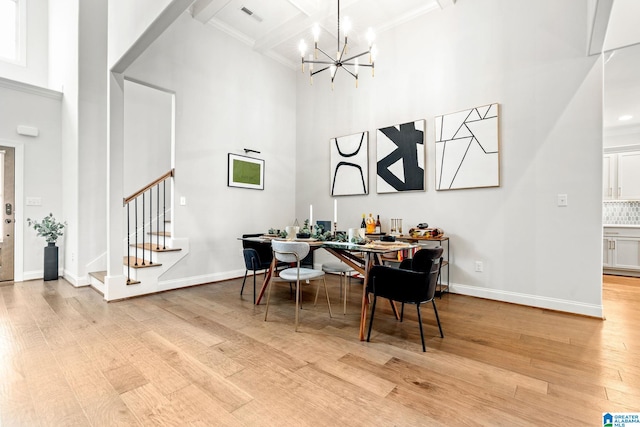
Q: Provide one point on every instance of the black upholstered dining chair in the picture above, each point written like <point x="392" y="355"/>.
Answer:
<point x="257" y="257"/>
<point x="413" y="283"/>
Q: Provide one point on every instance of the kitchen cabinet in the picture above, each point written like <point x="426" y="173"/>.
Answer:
<point x="621" y="250"/>
<point x="621" y="176"/>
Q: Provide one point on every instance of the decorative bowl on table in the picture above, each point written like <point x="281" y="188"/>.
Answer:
<point x="303" y="235"/>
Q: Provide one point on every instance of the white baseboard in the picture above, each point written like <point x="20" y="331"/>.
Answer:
<point x="591" y="310"/>
<point x="199" y="280"/>
<point x="77" y="281"/>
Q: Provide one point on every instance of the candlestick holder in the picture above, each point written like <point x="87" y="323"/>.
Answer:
<point x="335" y="229"/>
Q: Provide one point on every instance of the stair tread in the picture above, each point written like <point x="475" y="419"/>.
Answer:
<point x="100" y="275"/>
<point x="153" y="247"/>
<point x="132" y="261"/>
<point x="132" y="282"/>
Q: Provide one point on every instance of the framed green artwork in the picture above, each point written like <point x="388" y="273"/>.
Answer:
<point x="245" y="172"/>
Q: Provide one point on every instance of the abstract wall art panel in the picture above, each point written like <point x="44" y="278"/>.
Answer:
<point x="467" y="149"/>
<point x="400" y="157"/>
<point x="245" y="172"/>
<point x="350" y="164"/>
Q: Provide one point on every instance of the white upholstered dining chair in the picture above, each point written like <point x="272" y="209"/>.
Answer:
<point x="294" y="252"/>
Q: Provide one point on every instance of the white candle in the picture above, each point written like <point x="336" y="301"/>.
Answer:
<point x="335" y="210"/>
<point x="310" y="215"/>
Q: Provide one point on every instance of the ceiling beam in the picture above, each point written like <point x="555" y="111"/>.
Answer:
<point x="309" y="14"/>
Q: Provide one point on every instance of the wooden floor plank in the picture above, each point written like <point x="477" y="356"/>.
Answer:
<point x="204" y="355"/>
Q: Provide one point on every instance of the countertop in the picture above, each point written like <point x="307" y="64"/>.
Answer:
<point x="621" y="226"/>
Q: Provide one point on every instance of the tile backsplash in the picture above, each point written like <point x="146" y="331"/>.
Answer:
<point x="621" y="212"/>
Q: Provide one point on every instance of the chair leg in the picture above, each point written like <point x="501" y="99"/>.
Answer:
<point x="373" y="310"/>
<point x="245" y="279"/>
<point x="435" y="310"/>
<point x="254" y="288"/>
<point x="326" y="292"/>
<point x="420" y="323"/>
<point x="266" y="310"/>
<point x="402" y="312"/>
<point x="297" y="303"/>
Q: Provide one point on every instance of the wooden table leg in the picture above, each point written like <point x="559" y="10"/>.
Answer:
<point x="267" y="279"/>
<point x="365" y="298"/>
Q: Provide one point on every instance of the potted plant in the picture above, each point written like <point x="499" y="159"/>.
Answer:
<point x="51" y="230"/>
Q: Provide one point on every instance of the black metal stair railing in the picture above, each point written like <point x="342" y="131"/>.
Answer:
<point x="146" y="248"/>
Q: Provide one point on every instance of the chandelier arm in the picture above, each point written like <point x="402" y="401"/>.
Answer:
<point x="342" y="52"/>
<point x="319" y="71"/>
<point x="349" y="71"/>
<point x="321" y="62"/>
<point x="326" y="54"/>
<point x="351" y="64"/>
<point x="356" y="56"/>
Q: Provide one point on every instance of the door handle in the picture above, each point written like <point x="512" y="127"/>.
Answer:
<point x="8" y="221"/>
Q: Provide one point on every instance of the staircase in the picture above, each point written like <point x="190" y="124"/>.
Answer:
<point x="150" y="248"/>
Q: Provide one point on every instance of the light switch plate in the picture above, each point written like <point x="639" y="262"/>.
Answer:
<point x="563" y="200"/>
<point x="34" y="201"/>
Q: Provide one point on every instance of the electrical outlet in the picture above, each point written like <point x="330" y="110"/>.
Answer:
<point x="479" y="267"/>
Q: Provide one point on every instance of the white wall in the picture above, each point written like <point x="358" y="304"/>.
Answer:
<point x="530" y="58"/>
<point x="91" y="158"/>
<point x="227" y="98"/>
<point x="127" y="21"/>
<point x="78" y="42"/>
<point x="42" y="168"/>
<point x="148" y="115"/>
<point x="35" y="69"/>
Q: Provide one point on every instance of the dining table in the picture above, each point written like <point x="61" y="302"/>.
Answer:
<point x="360" y="257"/>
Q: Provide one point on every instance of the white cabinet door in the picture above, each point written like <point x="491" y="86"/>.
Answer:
<point x="608" y="177"/>
<point x="606" y="252"/>
<point x="626" y="252"/>
<point x="629" y="175"/>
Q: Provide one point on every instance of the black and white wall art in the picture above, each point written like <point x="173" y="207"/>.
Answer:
<point x="350" y="164"/>
<point x="467" y="149"/>
<point x="400" y="157"/>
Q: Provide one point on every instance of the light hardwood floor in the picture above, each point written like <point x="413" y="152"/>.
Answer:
<point x="204" y="356"/>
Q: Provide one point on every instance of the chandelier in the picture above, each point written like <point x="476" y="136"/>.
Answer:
<point x="342" y="60"/>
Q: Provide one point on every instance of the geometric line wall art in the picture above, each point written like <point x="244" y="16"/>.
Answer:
<point x="400" y="158"/>
<point x="350" y="164"/>
<point x="467" y="149"/>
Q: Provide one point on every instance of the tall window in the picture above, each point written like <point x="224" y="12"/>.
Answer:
<point x="12" y="29"/>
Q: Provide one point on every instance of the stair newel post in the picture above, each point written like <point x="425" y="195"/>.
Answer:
<point x="136" y="228"/>
<point x="128" y="245"/>
<point x="150" y="226"/>
<point x="158" y="217"/>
